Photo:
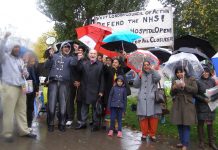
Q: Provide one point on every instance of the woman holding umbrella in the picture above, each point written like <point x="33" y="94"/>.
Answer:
<point x="147" y="109"/>
<point x="183" y="109"/>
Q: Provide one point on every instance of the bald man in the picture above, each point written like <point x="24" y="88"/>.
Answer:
<point x="92" y="84"/>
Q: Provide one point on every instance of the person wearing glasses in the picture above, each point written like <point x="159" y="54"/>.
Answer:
<point x="60" y="75"/>
<point x="147" y="110"/>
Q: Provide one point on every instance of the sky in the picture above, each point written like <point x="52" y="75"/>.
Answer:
<point x="22" y="18"/>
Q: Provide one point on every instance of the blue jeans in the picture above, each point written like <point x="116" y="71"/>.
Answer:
<point x="184" y="134"/>
<point x="116" y="113"/>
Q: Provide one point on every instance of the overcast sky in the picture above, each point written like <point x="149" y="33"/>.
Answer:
<point x="22" y="18"/>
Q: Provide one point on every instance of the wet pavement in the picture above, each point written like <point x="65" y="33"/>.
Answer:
<point x="86" y="140"/>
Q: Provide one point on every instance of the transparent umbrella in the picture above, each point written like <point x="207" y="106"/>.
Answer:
<point x="189" y="61"/>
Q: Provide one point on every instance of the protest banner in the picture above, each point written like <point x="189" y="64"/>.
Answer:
<point x="155" y="26"/>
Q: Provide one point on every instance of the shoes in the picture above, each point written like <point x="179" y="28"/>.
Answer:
<point x="61" y="128"/>
<point x="143" y="138"/>
<point x="94" y="128"/>
<point x="30" y="135"/>
<point x="184" y="148"/>
<point x="201" y="146"/>
<point x="50" y="128"/>
<point x="179" y="145"/>
<point x="110" y="133"/>
<point x="80" y="126"/>
<point x="119" y="134"/>
<point x="153" y="138"/>
<point x="30" y="129"/>
<point x="213" y="146"/>
<point x="69" y="123"/>
<point x="9" y="139"/>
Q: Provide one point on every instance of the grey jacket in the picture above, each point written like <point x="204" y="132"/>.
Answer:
<point x="12" y="67"/>
<point x="60" y="67"/>
<point x="147" y="86"/>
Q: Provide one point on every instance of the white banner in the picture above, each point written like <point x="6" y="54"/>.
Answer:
<point x="155" y="26"/>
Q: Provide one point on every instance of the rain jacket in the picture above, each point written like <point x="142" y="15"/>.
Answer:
<point x="118" y="95"/>
<point x="60" y="66"/>
<point x="12" y="67"/>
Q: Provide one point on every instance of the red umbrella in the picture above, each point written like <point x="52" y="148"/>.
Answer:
<point x="135" y="60"/>
<point x="91" y="34"/>
<point x="101" y="50"/>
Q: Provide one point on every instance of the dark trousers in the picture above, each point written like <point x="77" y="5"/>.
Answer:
<point x="74" y="97"/>
<point x="85" y="113"/>
<point x="116" y="113"/>
<point x="70" y="104"/>
<point x="210" y="132"/>
<point x="79" y="109"/>
<point x="184" y="134"/>
<point x="58" y="91"/>
<point x="30" y="107"/>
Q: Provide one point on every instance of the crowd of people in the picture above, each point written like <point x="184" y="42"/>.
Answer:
<point x="75" y="82"/>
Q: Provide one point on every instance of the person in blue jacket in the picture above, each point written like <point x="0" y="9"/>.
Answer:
<point x="117" y="104"/>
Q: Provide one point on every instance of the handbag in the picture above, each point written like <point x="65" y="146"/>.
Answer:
<point x="165" y="109"/>
<point x="99" y="107"/>
<point x="160" y="96"/>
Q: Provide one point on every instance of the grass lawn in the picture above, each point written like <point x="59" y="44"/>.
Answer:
<point x="167" y="129"/>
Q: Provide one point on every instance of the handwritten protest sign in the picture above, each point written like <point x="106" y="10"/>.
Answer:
<point x="155" y="26"/>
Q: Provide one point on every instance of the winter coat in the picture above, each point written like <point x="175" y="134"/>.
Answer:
<point x="146" y="105"/>
<point x="203" y="110"/>
<point x="92" y="80"/>
<point x="109" y="73"/>
<point x="183" y="108"/>
<point x="118" y="96"/>
<point x="60" y="67"/>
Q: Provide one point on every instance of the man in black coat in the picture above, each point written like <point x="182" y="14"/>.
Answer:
<point x="75" y="94"/>
<point x="92" y="84"/>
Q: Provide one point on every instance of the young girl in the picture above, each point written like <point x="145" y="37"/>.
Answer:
<point x="117" y="104"/>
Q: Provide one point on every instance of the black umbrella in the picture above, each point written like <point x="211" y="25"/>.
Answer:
<point x="58" y="45"/>
<point x="119" y="46"/>
<point x="161" y="53"/>
<point x="201" y="56"/>
<point x="194" y="42"/>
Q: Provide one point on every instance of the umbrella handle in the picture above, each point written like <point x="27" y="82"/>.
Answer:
<point x="123" y="46"/>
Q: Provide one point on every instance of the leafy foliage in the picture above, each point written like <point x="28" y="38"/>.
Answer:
<point x="196" y="17"/>
<point x="70" y="14"/>
<point x="40" y="46"/>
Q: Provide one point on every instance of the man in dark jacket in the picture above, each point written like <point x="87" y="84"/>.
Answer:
<point x="92" y="83"/>
<point x="75" y="94"/>
<point x="60" y="75"/>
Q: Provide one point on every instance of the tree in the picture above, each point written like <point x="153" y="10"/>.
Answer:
<point x="40" y="46"/>
<point x="70" y="14"/>
<point x="196" y="17"/>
